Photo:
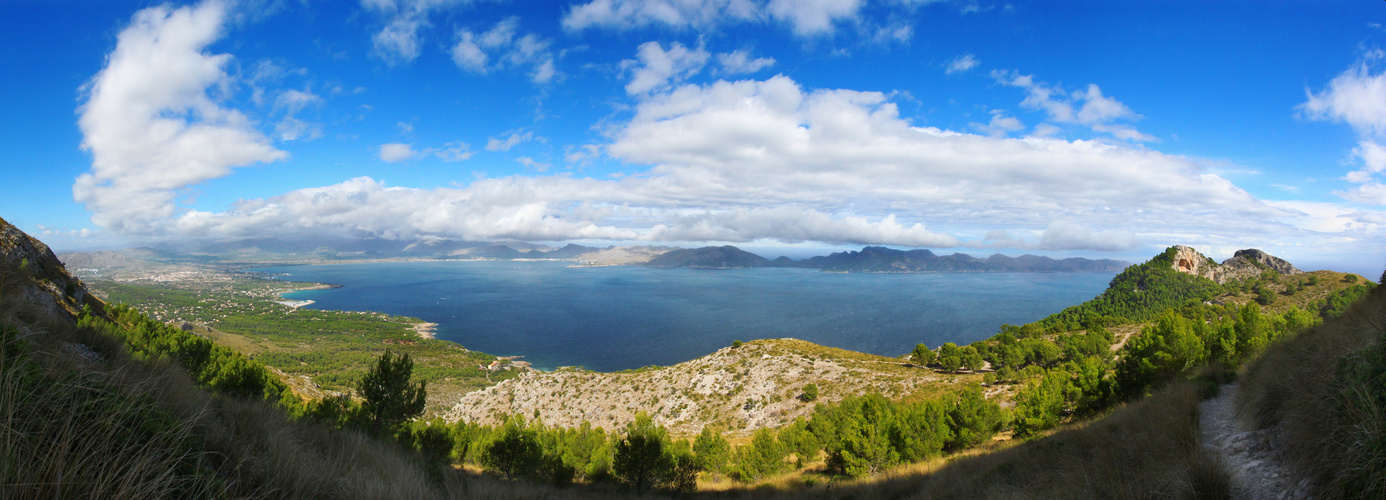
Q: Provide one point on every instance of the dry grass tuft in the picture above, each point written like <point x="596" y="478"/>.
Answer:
<point x="1326" y="388"/>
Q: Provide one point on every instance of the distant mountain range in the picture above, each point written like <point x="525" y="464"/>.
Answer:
<point x="883" y="260"/>
<point x="871" y="259"/>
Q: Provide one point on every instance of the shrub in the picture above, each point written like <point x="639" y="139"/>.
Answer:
<point x="390" y="396"/>
<point x="763" y="457"/>
<point x="516" y="453"/>
<point x="641" y="458"/>
<point x="922" y="355"/>
<point x="711" y="451"/>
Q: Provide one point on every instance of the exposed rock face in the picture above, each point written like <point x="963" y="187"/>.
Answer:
<point x="1252" y="262"/>
<point x="1243" y="264"/>
<point x="1189" y="261"/>
<point x="745" y="388"/>
<point x="43" y="280"/>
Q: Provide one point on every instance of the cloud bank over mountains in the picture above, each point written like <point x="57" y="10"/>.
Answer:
<point x="719" y="161"/>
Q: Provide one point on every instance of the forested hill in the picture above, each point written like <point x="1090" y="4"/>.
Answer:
<point x="1169" y="280"/>
<point x="709" y="257"/>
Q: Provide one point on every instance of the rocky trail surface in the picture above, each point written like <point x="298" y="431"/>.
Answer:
<point x="1253" y="457"/>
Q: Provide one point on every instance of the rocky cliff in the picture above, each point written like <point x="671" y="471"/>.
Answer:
<point x="29" y="266"/>
<point x="1243" y="264"/>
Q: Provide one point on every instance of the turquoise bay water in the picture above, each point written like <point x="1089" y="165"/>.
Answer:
<point x="613" y="318"/>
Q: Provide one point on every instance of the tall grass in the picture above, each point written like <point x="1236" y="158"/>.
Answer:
<point x="65" y="435"/>
<point x="1326" y="388"/>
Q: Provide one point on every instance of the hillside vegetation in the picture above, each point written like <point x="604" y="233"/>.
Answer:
<point x="736" y="389"/>
<point x="320" y="353"/>
<point x="1324" y="391"/>
<point x="104" y="401"/>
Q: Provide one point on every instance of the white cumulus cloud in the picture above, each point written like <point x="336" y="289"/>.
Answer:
<point x="1000" y="124"/>
<point x="1065" y="235"/>
<point x="1357" y="97"/>
<point x="398" y="41"/>
<point x="150" y="124"/>
<point x="768" y="159"/>
<point x="510" y="141"/>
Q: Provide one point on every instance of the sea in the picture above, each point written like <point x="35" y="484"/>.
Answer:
<point x="623" y="317"/>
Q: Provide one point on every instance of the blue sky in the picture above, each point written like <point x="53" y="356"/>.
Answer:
<point x="1106" y="129"/>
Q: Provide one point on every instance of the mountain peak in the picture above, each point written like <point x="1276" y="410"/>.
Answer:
<point x="1243" y="264"/>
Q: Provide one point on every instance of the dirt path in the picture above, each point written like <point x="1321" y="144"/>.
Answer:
<point x="1252" y="457"/>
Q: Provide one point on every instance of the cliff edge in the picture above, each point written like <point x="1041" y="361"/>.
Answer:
<point x="1243" y="264"/>
<point x="40" y="278"/>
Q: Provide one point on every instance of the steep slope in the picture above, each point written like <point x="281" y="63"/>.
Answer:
<point x="1142" y="291"/>
<point x="40" y="278"/>
<point x="107" y="409"/>
<point x="1322" y="395"/>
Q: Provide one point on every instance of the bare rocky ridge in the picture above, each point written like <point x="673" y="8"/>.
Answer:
<point x="1243" y="264"/>
<point x="49" y="285"/>
<point x="738" y="389"/>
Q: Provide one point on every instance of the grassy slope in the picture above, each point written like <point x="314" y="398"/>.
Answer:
<point x="1325" y="390"/>
<point x="330" y="348"/>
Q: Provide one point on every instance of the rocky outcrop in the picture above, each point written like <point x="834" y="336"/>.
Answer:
<point x="1243" y="264"/>
<point x="739" y="389"/>
<point x="1189" y="261"/>
<point x="1253" y="262"/>
<point x="36" y="274"/>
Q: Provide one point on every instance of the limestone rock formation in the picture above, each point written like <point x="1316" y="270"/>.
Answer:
<point x="1189" y="261"/>
<point x="30" y="265"/>
<point x="1243" y="264"/>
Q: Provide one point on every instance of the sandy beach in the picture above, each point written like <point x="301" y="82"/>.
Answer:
<point x="424" y="330"/>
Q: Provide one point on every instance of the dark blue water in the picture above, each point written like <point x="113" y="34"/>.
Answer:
<point x="612" y="318"/>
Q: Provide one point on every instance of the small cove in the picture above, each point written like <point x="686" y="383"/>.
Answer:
<point x="621" y="317"/>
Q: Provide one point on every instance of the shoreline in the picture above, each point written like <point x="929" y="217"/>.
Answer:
<point x="426" y="330"/>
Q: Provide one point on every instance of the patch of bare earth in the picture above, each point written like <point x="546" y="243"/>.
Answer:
<point x="1253" y="457"/>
